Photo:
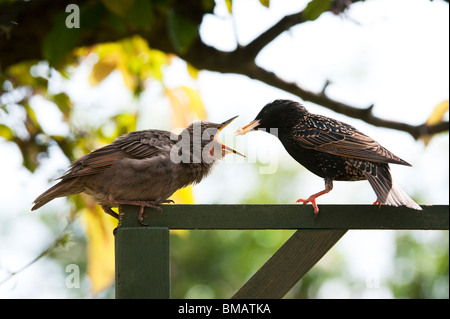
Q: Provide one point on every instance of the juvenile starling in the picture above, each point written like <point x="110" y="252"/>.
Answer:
<point x="331" y="149"/>
<point x="142" y="168"/>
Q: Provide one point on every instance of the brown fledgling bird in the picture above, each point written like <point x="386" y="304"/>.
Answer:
<point x="331" y="149"/>
<point x="143" y="168"/>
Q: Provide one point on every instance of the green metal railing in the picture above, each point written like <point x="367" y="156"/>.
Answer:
<point x="143" y="253"/>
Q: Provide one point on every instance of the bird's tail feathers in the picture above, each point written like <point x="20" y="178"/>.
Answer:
<point x="389" y="193"/>
<point x="63" y="188"/>
<point x="397" y="197"/>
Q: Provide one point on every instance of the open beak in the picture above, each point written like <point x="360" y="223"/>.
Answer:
<point x="227" y="149"/>
<point x="249" y="127"/>
<point x="224" y="124"/>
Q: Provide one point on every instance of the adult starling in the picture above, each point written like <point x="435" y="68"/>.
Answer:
<point x="142" y="168"/>
<point x="331" y="149"/>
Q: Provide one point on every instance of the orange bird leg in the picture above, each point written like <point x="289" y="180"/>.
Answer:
<point x="377" y="202"/>
<point x="312" y="198"/>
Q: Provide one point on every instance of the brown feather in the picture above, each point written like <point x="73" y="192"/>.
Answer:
<point x="334" y="137"/>
<point x="65" y="187"/>
<point x="137" y="145"/>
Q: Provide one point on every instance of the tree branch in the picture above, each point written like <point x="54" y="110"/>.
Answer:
<point x="240" y="63"/>
<point x="21" y="21"/>
<point x="253" y="48"/>
<point x="364" y="114"/>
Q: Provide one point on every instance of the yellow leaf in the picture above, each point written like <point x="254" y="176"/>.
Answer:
<point x="6" y="132"/>
<point x="99" y="230"/>
<point x="265" y="3"/>
<point x="438" y="113"/>
<point x="125" y="123"/>
<point x="436" y="116"/>
<point x="179" y="118"/>
<point x="187" y="106"/>
<point x="113" y="56"/>
<point x="193" y="72"/>
<point x="195" y="105"/>
<point x="154" y="67"/>
<point x="102" y="69"/>
<point x="132" y="56"/>
<point x="144" y="61"/>
<point x="81" y="51"/>
<point x="20" y="73"/>
<point x="229" y="5"/>
<point x="129" y="79"/>
<point x="183" y="196"/>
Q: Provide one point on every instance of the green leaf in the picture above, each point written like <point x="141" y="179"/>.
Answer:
<point x="91" y="15"/>
<point x="118" y="7"/>
<point x="125" y="123"/>
<point x="63" y="102"/>
<point x="20" y="74"/>
<point x="141" y="14"/>
<point x="117" y="23"/>
<point x="59" y="41"/>
<point x="208" y="5"/>
<point x="315" y="8"/>
<point x="182" y="32"/>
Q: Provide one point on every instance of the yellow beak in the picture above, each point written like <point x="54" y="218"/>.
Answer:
<point x="226" y="149"/>
<point x="249" y="127"/>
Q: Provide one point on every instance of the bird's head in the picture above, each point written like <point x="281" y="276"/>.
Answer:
<point x="205" y="143"/>
<point x="279" y="114"/>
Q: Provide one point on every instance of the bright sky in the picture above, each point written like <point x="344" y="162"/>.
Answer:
<point x="394" y="54"/>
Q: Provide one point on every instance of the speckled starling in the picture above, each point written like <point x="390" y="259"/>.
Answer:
<point x="142" y="168"/>
<point x="331" y="149"/>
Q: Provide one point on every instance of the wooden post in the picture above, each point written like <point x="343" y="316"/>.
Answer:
<point x="142" y="260"/>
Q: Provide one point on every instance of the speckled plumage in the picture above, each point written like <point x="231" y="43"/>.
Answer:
<point x="332" y="150"/>
<point x="142" y="168"/>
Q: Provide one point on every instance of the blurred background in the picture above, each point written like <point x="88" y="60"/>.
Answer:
<point x="75" y="80"/>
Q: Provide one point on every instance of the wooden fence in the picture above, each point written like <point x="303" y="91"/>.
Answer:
<point x="143" y="253"/>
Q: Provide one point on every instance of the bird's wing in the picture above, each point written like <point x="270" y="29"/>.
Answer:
<point x="337" y="138"/>
<point x="136" y="145"/>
